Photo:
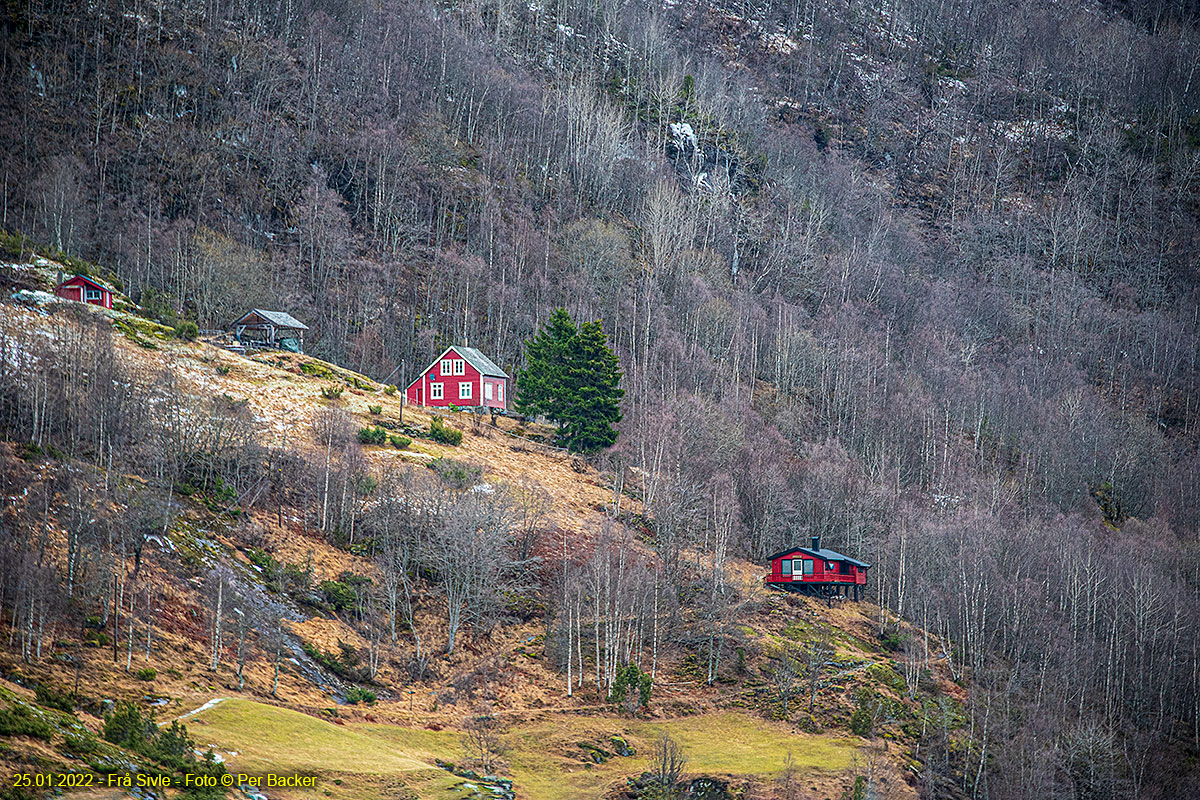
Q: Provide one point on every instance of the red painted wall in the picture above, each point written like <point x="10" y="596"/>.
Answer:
<point x="74" y="288"/>
<point x="819" y="575"/>
<point x="420" y="392"/>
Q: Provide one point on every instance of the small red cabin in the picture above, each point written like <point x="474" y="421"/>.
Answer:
<point x="814" y="570"/>
<point x="85" y="290"/>
<point x="461" y="376"/>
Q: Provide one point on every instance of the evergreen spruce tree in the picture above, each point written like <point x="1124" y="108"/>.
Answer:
<point x="541" y="386"/>
<point x="571" y="376"/>
<point x="593" y="385"/>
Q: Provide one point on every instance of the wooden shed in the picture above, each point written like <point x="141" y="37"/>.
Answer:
<point x="272" y="330"/>
<point x="85" y="290"/>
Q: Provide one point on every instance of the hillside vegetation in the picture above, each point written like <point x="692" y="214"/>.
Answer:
<point x="919" y="278"/>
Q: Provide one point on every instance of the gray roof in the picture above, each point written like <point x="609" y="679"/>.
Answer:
<point x="483" y="364"/>
<point x="280" y="319"/>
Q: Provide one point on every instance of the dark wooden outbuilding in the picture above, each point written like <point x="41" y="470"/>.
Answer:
<point x="272" y="330"/>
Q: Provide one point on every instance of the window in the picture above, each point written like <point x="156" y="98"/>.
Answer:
<point x="808" y="566"/>
<point x="92" y="294"/>
<point x="829" y="566"/>
<point x="785" y="566"/>
<point x="460" y="367"/>
<point x="487" y="391"/>
<point x="447" y="366"/>
<point x="435" y="391"/>
<point x="500" y="392"/>
<point x="464" y="391"/>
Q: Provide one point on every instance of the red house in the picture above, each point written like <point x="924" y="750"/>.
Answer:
<point x="85" y="290"/>
<point x="460" y="376"/>
<point x="813" y="570"/>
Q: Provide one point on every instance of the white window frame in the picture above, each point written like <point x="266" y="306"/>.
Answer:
<point x="464" y="390"/>
<point x="92" y="294"/>
<point x="487" y="391"/>
<point x="499" y="392"/>
<point x="460" y="367"/>
<point x="447" y="366"/>
<point x="436" y="391"/>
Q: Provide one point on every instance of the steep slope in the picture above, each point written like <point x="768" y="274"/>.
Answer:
<point x="507" y="671"/>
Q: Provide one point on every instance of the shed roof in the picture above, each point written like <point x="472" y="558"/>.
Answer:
<point x="95" y="283"/>
<point x="280" y="319"/>
<point x="824" y="553"/>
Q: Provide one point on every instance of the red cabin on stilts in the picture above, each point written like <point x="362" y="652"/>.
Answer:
<point x="812" y="570"/>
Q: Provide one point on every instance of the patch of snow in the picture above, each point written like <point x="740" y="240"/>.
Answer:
<point x="483" y="488"/>
<point x="35" y="297"/>
<point x="780" y="43"/>
<point x="204" y="707"/>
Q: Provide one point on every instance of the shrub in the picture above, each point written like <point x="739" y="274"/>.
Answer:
<point x="49" y="696"/>
<point x="389" y="390"/>
<point x="860" y="722"/>
<point x="632" y="687"/>
<point x="332" y="392"/>
<point x="81" y="741"/>
<point x="21" y="721"/>
<point x="146" y="674"/>
<point x="222" y="369"/>
<point x="440" y="433"/>
<point x="357" y="695"/>
<point x="377" y="435"/>
<point x="97" y="639"/>
<point x="375" y="409"/>
<point x="400" y="442"/>
<point x="338" y="595"/>
<point x="126" y="726"/>
<point x="455" y="473"/>
<point x="187" y="330"/>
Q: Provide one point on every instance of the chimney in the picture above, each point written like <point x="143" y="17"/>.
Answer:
<point x="816" y="543"/>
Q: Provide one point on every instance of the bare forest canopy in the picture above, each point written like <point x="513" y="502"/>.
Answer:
<point x="918" y="277"/>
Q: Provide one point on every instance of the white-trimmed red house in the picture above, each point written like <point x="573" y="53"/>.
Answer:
<point x="461" y="376"/>
<point x="85" y="290"/>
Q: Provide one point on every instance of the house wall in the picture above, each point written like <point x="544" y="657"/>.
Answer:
<point x="451" y="384"/>
<point x="819" y="575"/>
<point x="420" y="391"/>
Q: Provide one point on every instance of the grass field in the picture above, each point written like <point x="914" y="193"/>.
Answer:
<point x="365" y="760"/>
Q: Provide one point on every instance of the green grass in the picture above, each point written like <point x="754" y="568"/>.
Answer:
<point x="543" y="755"/>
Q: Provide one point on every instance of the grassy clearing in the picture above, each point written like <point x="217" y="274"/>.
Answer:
<point x="350" y="762"/>
<point x="544" y="755"/>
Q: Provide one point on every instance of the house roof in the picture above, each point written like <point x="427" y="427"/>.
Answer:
<point x="482" y="364"/>
<point x="280" y="319"/>
<point x="824" y="553"/>
<point x="95" y="284"/>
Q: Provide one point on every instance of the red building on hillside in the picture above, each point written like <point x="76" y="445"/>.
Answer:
<point x="818" y="571"/>
<point x="461" y="376"/>
<point x="85" y="290"/>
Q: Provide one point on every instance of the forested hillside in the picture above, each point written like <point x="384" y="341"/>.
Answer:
<point x="918" y="277"/>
